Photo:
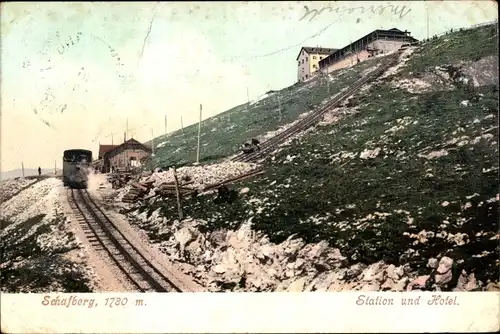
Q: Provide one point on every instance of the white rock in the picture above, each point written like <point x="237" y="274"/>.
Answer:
<point x="335" y="254"/>
<point x="432" y="263"/>
<point x="417" y="283"/>
<point x="371" y="273"/>
<point x="445" y="265"/>
<point x="299" y="263"/>
<point x="400" y="285"/>
<point x="356" y="269"/>
<point x="267" y="250"/>
<point x="372" y="286"/>
<point x="472" y="283"/>
<point x="466" y="282"/>
<point x="400" y="271"/>
<point x="183" y="236"/>
<point x="311" y="285"/>
<point x="391" y="272"/>
<point x="370" y="154"/>
<point x="244" y="190"/>
<point x="318" y="249"/>
<point x="298" y="285"/>
<point x="441" y="279"/>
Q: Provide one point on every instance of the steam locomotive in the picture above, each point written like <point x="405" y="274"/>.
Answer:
<point x="76" y="168"/>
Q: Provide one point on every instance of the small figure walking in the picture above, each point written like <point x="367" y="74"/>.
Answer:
<point x="39" y="171"/>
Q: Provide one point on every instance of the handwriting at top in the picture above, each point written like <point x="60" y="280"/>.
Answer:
<point x="396" y="10"/>
<point x="65" y="46"/>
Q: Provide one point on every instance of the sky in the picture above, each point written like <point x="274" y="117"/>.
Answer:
<point x="73" y="75"/>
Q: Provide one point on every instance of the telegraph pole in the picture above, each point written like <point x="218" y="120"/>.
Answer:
<point x="327" y="77"/>
<point x="55" y="167"/>
<point x="177" y="194"/>
<point x="182" y="126"/>
<point x="427" y="10"/>
<point x="126" y="131"/>
<point x="165" y="124"/>
<point x="350" y="49"/>
<point x="112" y="139"/>
<point x="126" y="151"/>
<point x="22" y="167"/>
<point x="279" y="106"/>
<point x="152" y="142"/>
<point x="248" y="100"/>
<point x="199" y="133"/>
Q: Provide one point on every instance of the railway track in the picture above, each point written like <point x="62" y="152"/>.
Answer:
<point x="241" y="177"/>
<point x="105" y="235"/>
<point x="271" y="144"/>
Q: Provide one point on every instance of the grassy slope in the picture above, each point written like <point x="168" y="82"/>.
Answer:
<point x="38" y="269"/>
<point x="401" y="191"/>
<point x="464" y="45"/>
<point x="224" y="133"/>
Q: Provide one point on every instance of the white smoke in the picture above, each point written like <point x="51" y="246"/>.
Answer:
<point x="95" y="180"/>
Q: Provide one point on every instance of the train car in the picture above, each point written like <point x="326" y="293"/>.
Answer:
<point x="76" y="168"/>
<point x="250" y="146"/>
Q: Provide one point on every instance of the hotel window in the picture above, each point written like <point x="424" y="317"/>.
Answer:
<point x="302" y="61"/>
<point x="314" y="65"/>
<point x="307" y="58"/>
<point x="299" y="63"/>
<point x="314" y="57"/>
<point x="306" y="76"/>
<point x="320" y="57"/>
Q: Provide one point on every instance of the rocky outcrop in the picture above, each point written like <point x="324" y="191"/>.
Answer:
<point x="483" y="72"/>
<point x="245" y="260"/>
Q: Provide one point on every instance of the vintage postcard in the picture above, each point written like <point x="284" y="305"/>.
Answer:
<point x="329" y="166"/>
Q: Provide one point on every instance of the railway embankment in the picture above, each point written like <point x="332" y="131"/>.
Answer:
<point x="39" y="250"/>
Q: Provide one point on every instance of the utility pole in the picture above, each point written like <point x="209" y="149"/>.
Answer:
<point x="177" y="195"/>
<point x="350" y="50"/>
<point x="279" y="106"/>
<point x="165" y="124"/>
<point x="327" y="78"/>
<point x="55" y="167"/>
<point x="199" y="133"/>
<point x="182" y="126"/>
<point x="22" y="167"/>
<point x="126" y="130"/>
<point x="248" y="100"/>
<point x="126" y="151"/>
<point x="152" y="142"/>
<point x="427" y="10"/>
